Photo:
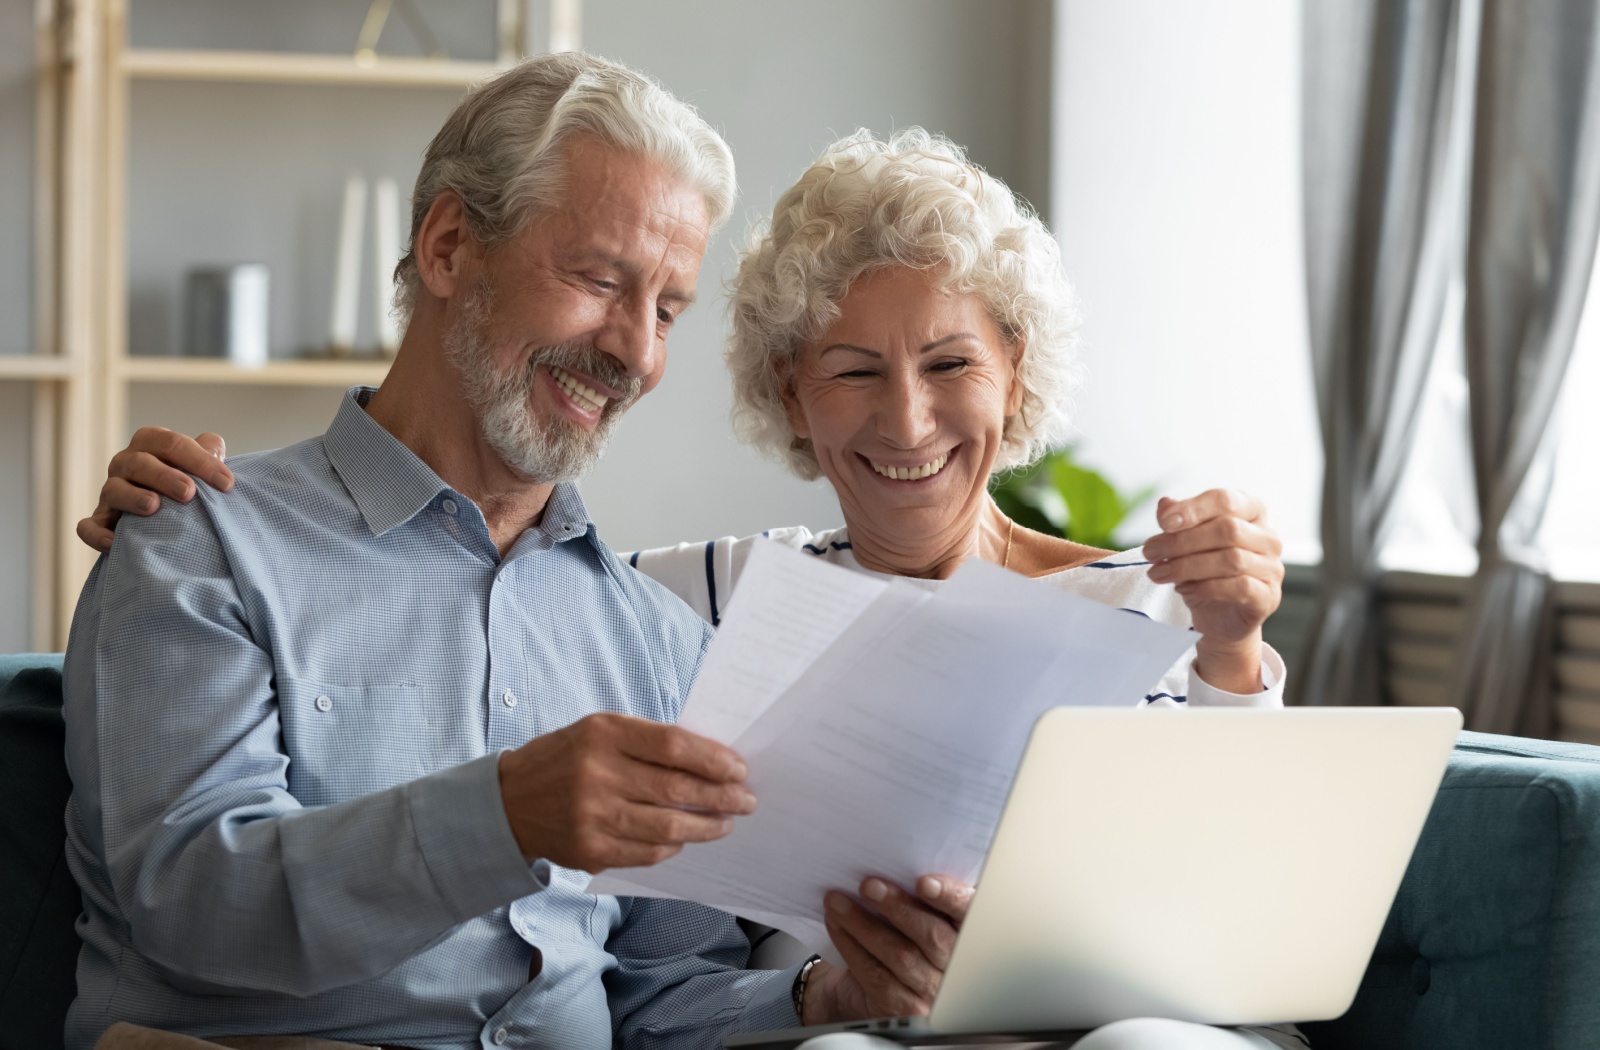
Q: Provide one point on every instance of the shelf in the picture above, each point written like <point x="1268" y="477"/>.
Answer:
<point x="270" y="67"/>
<point x="33" y="366"/>
<point x="276" y="373"/>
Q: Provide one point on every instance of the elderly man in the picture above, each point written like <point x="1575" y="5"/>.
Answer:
<point x="344" y="740"/>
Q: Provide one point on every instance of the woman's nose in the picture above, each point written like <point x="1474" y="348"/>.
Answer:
<point x="905" y="416"/>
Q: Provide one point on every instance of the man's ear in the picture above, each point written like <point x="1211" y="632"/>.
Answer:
<point x="1015" y="392"/>
<point x="444" y="245"/>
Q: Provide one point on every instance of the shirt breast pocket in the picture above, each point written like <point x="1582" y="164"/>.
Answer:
<point x="349" y="738"/>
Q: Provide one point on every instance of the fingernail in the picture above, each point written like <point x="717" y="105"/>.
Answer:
<point x="930" y="887"/>
<point x="837" y="903"/>
<point x="148" y="506"/>
<point x="738" y="771"/>
<point x="874" y="889"/>
<point x="1172" y="521"/>
<point x="747" y="802"/>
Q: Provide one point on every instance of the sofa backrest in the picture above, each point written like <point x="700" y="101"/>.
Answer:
<point x="38" y="900"/>
<point x="1494" y="937"/>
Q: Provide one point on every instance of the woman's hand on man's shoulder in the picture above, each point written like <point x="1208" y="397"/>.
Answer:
<point x="157" y="462"/>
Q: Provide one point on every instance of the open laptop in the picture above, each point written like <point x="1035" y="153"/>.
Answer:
<point x="1225" y="866"/>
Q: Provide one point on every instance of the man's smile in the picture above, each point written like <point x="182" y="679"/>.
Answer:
<point x="585" y="395"/>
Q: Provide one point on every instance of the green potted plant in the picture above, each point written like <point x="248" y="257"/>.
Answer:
<point x="1062" y="497"/>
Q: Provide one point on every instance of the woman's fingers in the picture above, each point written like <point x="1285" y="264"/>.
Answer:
<point x="124" y="497"/>
<point x="156" y="454"/>
<point x="94" y="534"/>
<point x="1214" y="534"/>
<point x="1177" y="514"/>
<point x="1224" y="564"/>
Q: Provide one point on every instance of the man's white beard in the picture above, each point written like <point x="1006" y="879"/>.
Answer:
<point x="545" y="451"/>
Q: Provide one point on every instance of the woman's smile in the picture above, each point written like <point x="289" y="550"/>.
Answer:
<point x="900" y="472"/>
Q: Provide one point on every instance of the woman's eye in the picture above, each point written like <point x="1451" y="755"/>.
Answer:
<point x="859" y="373"/>
<point x="950" y="366"/>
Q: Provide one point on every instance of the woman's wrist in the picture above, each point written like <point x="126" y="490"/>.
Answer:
<point x="1233" y="667"/>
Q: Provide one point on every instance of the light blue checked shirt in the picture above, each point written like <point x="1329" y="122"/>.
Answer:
<point x="285" y="708"/>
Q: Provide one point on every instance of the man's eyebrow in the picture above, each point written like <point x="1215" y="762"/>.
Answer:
<point x="936" y="344"/>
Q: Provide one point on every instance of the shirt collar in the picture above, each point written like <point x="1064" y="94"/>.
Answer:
<point x="386" y="479"/>
<point x="390" y="484"/>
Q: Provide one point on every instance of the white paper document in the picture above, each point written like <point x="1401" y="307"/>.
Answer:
<point x="882" y="722"/>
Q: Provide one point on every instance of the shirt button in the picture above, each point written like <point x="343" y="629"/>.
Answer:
<point x="324" y="704"/>
<point x="449" y="506"/>
<point x="508" y="698"/>
<point x="500" y="1036"/>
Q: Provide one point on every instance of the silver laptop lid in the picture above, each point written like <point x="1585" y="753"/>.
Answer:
<point x="1227" y="866"/>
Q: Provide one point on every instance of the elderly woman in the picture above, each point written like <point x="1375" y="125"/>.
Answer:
<point x="904" y="329"/>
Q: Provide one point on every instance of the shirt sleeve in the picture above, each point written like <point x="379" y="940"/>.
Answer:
<point x="1273" y="676"/>
<point x="225" y="879"/>
<point x="680" y="980"/>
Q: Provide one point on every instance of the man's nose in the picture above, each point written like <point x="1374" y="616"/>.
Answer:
<point x="905" y="416"/>
<point x="629" y="336"/>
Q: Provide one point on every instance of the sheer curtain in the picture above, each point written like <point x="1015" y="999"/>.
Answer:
<point x="1385" y="134"/>
<point x="1535" y="211"/>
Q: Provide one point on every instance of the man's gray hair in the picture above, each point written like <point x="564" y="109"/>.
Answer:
<point x="913" y="201"/>
<point x="501" y="150"/>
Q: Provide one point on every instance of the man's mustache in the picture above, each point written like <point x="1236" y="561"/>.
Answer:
<point x="585" y="359"/>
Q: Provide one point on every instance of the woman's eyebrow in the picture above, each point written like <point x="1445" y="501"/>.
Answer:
<point x="936" y="344"/>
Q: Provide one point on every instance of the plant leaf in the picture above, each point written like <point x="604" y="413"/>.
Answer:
<point x="1094" y="507"/>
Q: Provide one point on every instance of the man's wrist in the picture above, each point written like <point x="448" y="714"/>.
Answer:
<point x="802" y="982"/>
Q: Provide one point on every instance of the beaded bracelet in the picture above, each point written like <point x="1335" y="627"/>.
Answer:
<point x="797" y="991"/>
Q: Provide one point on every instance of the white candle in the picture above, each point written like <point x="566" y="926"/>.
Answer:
<point x="386" y="255"/>
<point x="347" y="267"/>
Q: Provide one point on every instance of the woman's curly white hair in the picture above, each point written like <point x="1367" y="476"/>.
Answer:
<point x="913" y="201"/>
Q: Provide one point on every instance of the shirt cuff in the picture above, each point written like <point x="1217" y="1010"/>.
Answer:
<point x="771" y="1006"/>
<point x="462" y="833"/>
<point x="1273" y="676"/>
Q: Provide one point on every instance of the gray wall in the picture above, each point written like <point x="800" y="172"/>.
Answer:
<point x="245" y="172"/>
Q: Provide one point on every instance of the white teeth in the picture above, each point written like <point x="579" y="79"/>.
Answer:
<point x="579" y="392"/>
<point x="927" y="470"/>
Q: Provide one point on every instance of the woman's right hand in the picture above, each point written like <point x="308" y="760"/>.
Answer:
<point x="156" y="462"/>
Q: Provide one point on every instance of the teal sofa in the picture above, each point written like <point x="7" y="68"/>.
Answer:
<point x="1493" y="942"/>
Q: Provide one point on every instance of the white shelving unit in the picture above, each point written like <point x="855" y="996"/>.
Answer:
<point x="80" y="369"/>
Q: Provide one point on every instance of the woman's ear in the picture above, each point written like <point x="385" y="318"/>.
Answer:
<point x="1015" y="392"/>
<point x="793" y="409"/>
<point x="444" y="244"/>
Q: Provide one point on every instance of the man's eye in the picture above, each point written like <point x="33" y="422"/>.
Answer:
<point x="666" y="317"/>
<point x="603" y="284"/>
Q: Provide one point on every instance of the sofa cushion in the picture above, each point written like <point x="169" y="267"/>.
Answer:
<point x="38" y="900"/>
<point x="1494" y="937"/>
